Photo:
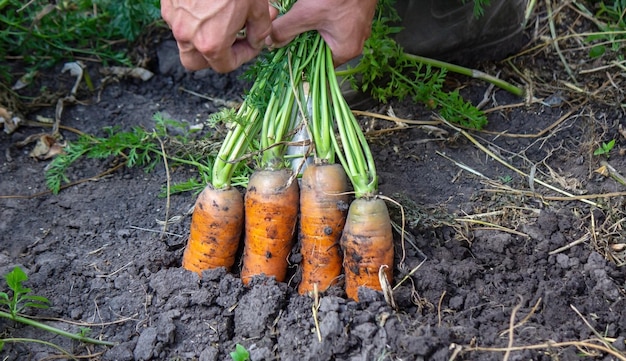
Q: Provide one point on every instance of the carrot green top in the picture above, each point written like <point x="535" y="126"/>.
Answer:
<point x="275" y="101"/>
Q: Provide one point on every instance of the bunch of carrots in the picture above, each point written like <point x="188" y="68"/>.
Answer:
<point x="296" y="90"/>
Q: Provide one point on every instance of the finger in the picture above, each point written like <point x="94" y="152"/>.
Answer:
<point x="243" y="52"/>
<point x="204" y="53"/>
<point x="258" y="24"/>
<point x="286" y="27"/>
<point x="344" y="51"/>
<point x="166" y="9"/>
<point x="273" y="12"/>
<point x="232" y="58"/>
<point x="191" y="59"/>
<point x="214" y="45"/>
<point x="178" y="19"/>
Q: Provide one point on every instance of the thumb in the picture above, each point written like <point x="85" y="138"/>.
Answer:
<point x="273" y="12"/>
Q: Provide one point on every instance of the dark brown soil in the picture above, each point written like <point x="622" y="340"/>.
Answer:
<point x="482" y="269"/>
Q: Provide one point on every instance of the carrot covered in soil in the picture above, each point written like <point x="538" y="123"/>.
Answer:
<point x="271" y="208"/>
<point x="323" y="204"/>
<point x="367" y="243"/>
<point x="216" y="226"/>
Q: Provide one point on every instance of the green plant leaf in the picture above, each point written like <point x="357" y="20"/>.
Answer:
<point x="605" y="148"/>
<point x="240" y="353"/>
<point x="597" y="51"/>
<point x="15" y="278"/>
<point x="33" y="305"/>
<point x="84" y="331"/>
<point x="479" y="7"/>
<point x="35" y="301"/>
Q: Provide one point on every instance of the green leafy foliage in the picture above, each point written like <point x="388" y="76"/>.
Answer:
<point x="240" y="353"/>
<point x="610" y="18"/>
<point x="387" y="73"/>
<point x="272" y="68"/>
<point x="139" y="147"/>
<point x="21" y="296"/>
<point x="505" y="179"/>
<point x="42" y="32"/>
<point x="129" y="17"/>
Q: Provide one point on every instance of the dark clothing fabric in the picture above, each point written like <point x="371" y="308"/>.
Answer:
<point x="448" y="29"/>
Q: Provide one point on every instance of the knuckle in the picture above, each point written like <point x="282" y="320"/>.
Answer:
<point x="209" y="47"/>
<point x="181" y="32"/>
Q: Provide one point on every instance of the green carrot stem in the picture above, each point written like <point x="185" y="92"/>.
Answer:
<point x="276" y="124"/>
<point x="41" y="342"/>
<point x="235" y="144"/>
<point x="281" y="113"/>
<point x="269" y="123"/>
<point x="312" y="42"/>
<point x="476" y="74"/>
<point x="320" y="125"/>
<point x="251" y="119"/>
<point x="273" y="116"/>
<point x="354" y="153"/>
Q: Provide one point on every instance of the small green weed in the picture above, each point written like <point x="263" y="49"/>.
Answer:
<point x="605" y="148"/>
<point x="240" y="354"/>
<point x="84" y="331"/>
<point x="141" y="147"/>
<point x="506" y="179"/>
<point x="137" y="146"/>
<point x="20" y="297"/>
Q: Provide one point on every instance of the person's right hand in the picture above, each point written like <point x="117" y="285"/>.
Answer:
<point x="344" y="25"/>
<point x="207" y="31"/>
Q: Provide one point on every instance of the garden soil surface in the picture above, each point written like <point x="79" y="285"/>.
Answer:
<point x="520" y="260"/>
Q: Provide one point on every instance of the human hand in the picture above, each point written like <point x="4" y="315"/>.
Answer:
<point x="207" y="31"/>
<point x="344" y="25"/>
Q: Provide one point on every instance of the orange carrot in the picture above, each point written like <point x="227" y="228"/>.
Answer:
<point x="367" y="241"/>
<point x="271" y="212"/>
<point x="323" y="208"/>
<point x="216" y="226"/>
